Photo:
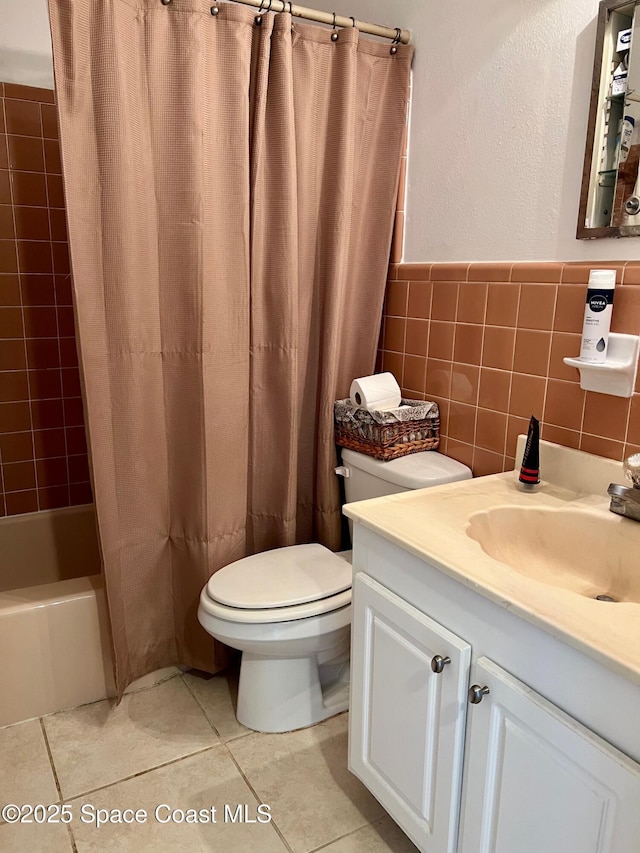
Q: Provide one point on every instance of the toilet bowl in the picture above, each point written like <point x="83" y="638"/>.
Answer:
<point x="289" y="609"/>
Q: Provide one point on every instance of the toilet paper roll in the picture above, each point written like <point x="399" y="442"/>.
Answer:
<point x="380" y="392"/>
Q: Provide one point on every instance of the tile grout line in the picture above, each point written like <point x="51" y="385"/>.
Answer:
<point x="9" y="402"/>
<point x="35" y="337"/>
<point x="64" y="413"/>
<point x="480" y="359"/>
<point x="513" y="359"/>
<point x="24" y="330"/>
<point x="546" y="378"/>
<point x="404" y="350"/>
<point x="56" y="306"/>
<point x="480" y="369"/>
<point x="82" y="483"/>
<point x="72" y="840"/>
<point x="625" y="440"/>
<point x="6" y="146"/>
<point x="584" y="409"/>
<point x="258" y="798"/>
<point x="50" y="754"/>
<point x="429" y="310"/>
<point x="453" y="345"/>
<point x="2" y="491"/>
<point x="83" y="794"/>
<point x="93" y="701"/>
<point x="548" y="370"/>
<point x="351" y="832"/>
<point x="137" y="690"/>
<point x="201" y="706"/>
<point x="475" y="407"/>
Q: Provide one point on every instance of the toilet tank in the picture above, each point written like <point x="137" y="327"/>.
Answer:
<point x="367" y="477"/>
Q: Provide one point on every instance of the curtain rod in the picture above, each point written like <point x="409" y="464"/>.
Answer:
<point x="396" y="34"/>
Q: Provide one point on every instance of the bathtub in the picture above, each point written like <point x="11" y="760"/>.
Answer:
<point x="55" y="649"/>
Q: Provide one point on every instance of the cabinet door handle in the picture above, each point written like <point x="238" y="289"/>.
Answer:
<point x="476" y="693"/>
<point x="438" y="663"/>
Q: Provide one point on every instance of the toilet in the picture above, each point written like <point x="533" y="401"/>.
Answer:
<point x="289" y="610"/>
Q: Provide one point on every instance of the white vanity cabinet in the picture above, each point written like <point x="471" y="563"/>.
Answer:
<point x="536" y="780"/>
<point x="531" y="766"/>
<point x="407" y="712"/>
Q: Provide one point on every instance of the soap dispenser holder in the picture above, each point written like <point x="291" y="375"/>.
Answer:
<point x="616" y="375"/>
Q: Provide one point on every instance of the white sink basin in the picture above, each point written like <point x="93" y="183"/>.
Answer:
<point x="590" y="552"/>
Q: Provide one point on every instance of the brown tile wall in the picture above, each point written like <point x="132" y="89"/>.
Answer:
<point x="43" y="454"/>
<point x="486" y="341"/>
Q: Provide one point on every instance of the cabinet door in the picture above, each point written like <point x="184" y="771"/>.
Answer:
<point x="537" y="781"/>
<point x="406" y="735"/>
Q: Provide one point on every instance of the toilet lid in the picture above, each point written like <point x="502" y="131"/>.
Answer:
<point x="282" y="577"/>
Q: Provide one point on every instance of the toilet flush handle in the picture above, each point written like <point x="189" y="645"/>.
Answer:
<point x="343" y="471"/>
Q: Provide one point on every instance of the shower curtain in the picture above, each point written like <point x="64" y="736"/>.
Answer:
<point x="230" y="195"/>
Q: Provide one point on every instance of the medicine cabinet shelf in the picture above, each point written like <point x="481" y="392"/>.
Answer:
<point x="617" y="375"/>
<point x="629" y="97"/>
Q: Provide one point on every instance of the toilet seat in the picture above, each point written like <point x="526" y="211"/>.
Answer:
<point x="294" y="582"/>
<point x="276" y="614"/>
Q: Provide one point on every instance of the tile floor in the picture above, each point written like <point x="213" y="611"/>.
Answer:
<point x="178" y="743"/>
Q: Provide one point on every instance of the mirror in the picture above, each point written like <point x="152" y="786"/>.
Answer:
<point x="610" y="198"/>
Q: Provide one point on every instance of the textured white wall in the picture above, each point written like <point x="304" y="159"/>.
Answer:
<point x="25" y="43"/>
<point x="500" y="103"/>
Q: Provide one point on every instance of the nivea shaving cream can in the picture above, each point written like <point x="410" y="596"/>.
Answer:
<point x="597" y="316"/>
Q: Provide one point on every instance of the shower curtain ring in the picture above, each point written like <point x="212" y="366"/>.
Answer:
<point x="353" y="21"/>
<point x="334" y="36"/>
<point x="396" y="41"/>
<point x="258" y="18"/>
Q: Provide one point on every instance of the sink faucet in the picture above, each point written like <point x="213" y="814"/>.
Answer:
<point x="626" y="500"/>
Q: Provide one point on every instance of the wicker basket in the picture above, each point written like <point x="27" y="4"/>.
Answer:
<point x="388" y="435"/>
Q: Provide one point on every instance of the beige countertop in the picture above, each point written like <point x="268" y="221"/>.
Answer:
<point x="432" y="525"/>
